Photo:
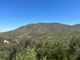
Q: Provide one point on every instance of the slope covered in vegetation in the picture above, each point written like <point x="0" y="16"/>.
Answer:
<point x="42" y="41"/>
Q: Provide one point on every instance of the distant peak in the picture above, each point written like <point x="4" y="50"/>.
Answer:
<point x="77" y="25"/>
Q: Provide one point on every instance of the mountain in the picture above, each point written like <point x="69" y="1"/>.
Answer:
<point x="45" y="40"/>
<point x="40" y="29"/>
<point x="77" y="25"/>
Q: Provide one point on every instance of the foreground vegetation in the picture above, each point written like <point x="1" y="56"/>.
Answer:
<point x="50" y="48"/>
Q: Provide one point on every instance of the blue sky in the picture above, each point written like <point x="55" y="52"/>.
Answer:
<point x="16" y="13"/>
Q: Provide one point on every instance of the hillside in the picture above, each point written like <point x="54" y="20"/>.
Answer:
<point x="77" y="25"/>
<point x="41" y="29"/>
<point x="41" y="41"/>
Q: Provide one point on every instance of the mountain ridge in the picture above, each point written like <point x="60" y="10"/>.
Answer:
<point x="41" y="29"/>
